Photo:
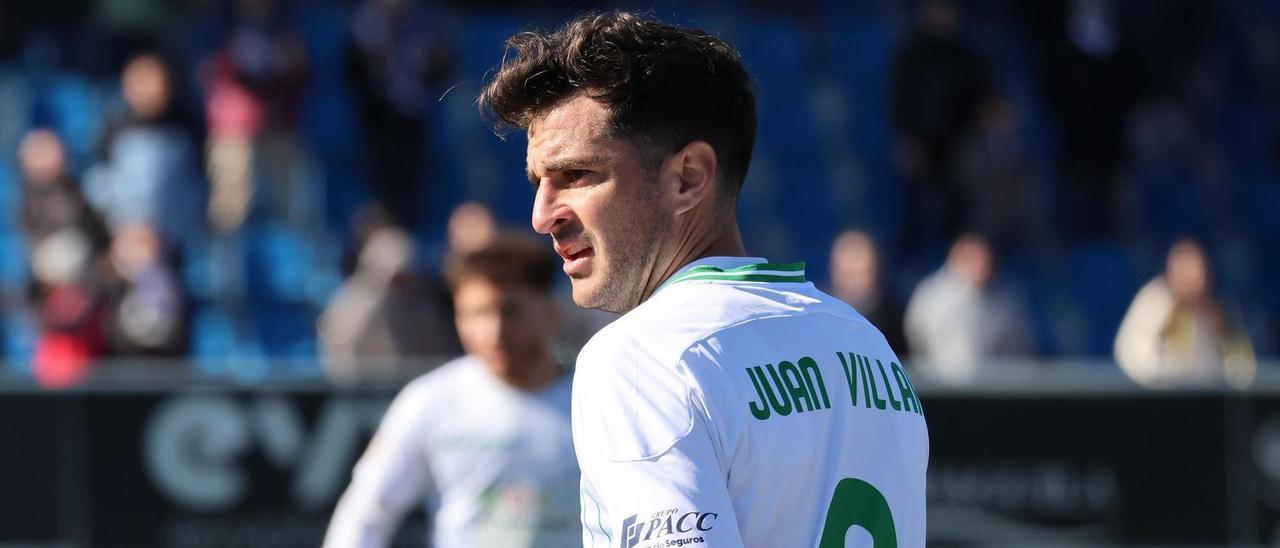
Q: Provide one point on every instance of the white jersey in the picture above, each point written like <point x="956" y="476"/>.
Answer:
<point x="740" y="406"/>
<point x="494" y="463"/>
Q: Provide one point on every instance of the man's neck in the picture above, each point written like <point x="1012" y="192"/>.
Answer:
<point x="696" y="243"/>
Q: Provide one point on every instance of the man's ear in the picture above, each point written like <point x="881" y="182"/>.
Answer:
<point x="692" y="175"/>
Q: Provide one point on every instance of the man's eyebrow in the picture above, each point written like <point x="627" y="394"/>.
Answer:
<point x="566" y="164"/>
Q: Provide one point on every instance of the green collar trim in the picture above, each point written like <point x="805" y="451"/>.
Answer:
<point x="759" y="272"/>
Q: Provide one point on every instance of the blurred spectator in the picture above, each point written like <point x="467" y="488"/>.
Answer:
<point x="397" y="64"/>
<point x="70" y="298"/>
<point x="997" y="177"/>
<point x="959" y="316"/>
<point x="1177" y="332"/>
<point x="253" y="93"/>
<point x="65" y="239"/>
<point x="149" y="172"/>
<point x="51" y="200"/>
<point x="1164" y="134"/>
<point x="1178" y="107"/>
<point x="857" y="279"/>
<point x="148" y="316"/>
<point x="126" y="26"/>
<point x="485" y="437"/>
<point x="1090" y="77"/>
<point x="937" y="89"/>
<point x="471" y="228"/>
<point x="384" y="315"/>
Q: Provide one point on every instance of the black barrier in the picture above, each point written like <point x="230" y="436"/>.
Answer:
<point x="1077" y="471"/>
<point x="35" y="473"/>
<point x="202" y="468"/>
<point x="263" y="467"/>
<point x="1256" y="426"/>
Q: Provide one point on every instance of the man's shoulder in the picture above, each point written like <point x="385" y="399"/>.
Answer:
<point x="630" y="376"/>
<point x="637" y="397"/>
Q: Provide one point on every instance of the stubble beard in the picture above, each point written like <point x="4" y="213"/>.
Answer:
<point x="633" y="254"/>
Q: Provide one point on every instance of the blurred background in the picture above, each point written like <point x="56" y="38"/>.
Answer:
<point x="222" y="227"/>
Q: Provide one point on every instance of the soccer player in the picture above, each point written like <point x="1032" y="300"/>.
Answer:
<point x="733" y="404"/>
<point x="484" y="438"/>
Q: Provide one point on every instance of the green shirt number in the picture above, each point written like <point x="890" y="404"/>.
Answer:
<point x="856" y="502"/>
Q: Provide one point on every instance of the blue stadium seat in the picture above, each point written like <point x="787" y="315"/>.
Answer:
<point x="790" y="153"/>
<point x="854" y="10"/>
<point x="20" y="333"/>
<point x="481" y="41"/>
<point x="276" y="262"/>
<point x="512" y="198"/>
<point x="76" y="107"/>
<point x="284" y="330"/>
<point x="214" y="266"/>
<point x="454" y="125"/>
<point x="860" y="54"/>
<point x="329" y="119"/>
<point x="264" y="340"/>
<point x="1256" y="203"/>
<point x="1022" y="273"/>
<point x="1249" y="136"/>
<point x="471" y="162"/>
<point x="329" y="122"/>
<point x="324" y="268"/>
<point x="214" y="342"/>
<point x="15" y="99"/>
<point x="1174" y="203"/>
<point x="345" y="191"/>
<point x="269" y="261"/>
<point x="10" y="193"/>
<point x="15" y="269"/>
<point x="325" y="27"/>
<point x="763" y="230"/>
<point x="774" y="52"/>
<point x="196" y="268"/>
<point x="1101" y="282"/>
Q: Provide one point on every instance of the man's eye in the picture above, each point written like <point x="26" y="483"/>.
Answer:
<point x="574" y="174"/>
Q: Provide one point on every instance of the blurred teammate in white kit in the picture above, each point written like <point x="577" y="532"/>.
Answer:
<point x="485" y="438"/>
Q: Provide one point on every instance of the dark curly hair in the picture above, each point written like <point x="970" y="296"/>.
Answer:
<point x="664" y="86"/>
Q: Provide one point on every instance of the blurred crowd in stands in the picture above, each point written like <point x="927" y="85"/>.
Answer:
<point x="270" y="188"/>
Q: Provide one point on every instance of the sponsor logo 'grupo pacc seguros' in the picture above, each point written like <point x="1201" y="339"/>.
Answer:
<point x="663" y="526"/>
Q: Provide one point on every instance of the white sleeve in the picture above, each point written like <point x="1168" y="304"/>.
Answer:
<point x="1137" y="344"/>
<point x="916" y="324"/>
<point x="388" y="480"/>
<point x="651" y="467"/>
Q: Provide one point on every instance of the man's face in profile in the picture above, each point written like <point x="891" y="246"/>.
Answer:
<point x="597" y="201"/>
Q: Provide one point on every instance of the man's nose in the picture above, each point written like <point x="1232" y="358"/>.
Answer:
<point x="548" y="210"/>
